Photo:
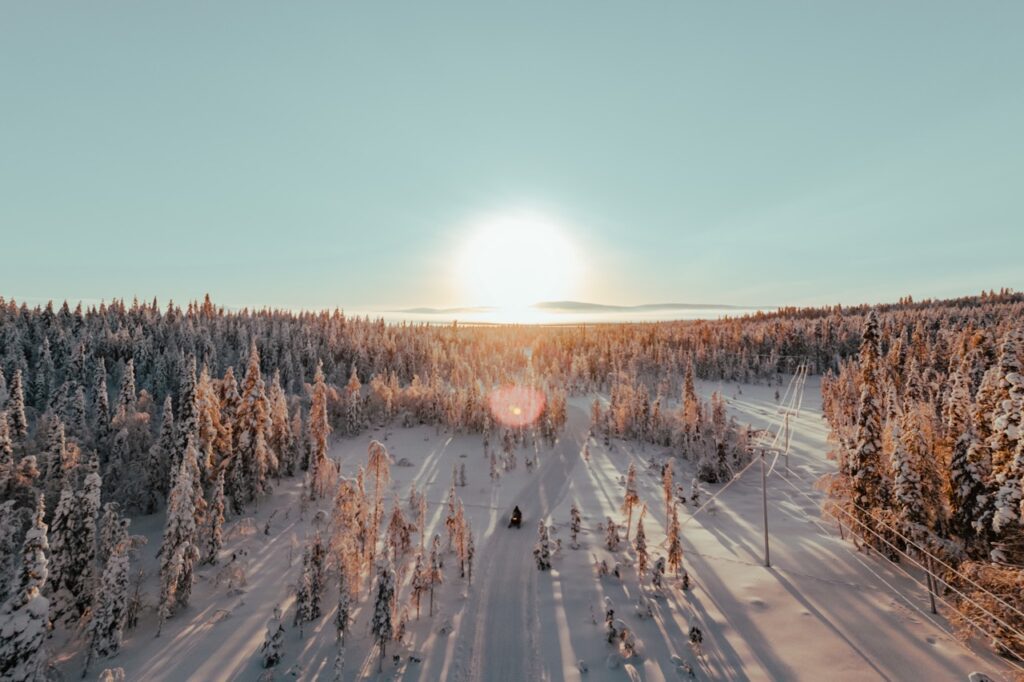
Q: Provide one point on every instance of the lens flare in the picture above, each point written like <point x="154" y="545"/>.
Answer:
<point x="516" y="406"/>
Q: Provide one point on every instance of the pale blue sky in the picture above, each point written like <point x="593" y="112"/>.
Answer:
<point x="312" y="154"/>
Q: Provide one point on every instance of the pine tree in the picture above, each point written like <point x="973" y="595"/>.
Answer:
<point x="381" y="623"/>
<point x="542" y="550"/>
<point x="319" y="430"/>
<point x="24" y="619"/>
<point x="215" y="522"/>
<point x="631" y="498"/>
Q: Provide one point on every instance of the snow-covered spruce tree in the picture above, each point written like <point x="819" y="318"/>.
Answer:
<point x="61" y="546"/>
<point x="273" y="644"/>
<point x="110" y="610"/>
<point x="436" y="577"/>
<point x="43" y="378"/>
<point x="542" y="550"/>
<point x="460" y="538"/>
<point x="8" y="469"/>
<point x="667" y="486"/>
<point x="449" y="519"/>
<point x="311" y="584"/>
<point x="640" y="544"/>
<point x="611" y="538"/>
<point x="575" y="520"/>
<point x="15" y="409"/>
<point x="113" y="529"/>
<point x="868" y="486"/>
<point x="631" y="498"/>
<point x="469" y="552"/>
<point x="353" y="404"/>
<point x="187" y="425"/>
<point x="907" y="493"/>
<point x="378" y="465"/>
<point x="24" y="617"/>
<point x="280" y="428"/>
<point x="420" y="583"/>
<point x="343" y="614"/>
<point x="695" y="493"/>
<point x="215" y="522"/>
<point x="381" y="626"/>
<point x="127" y="396"/>
<point x="1008" y="405"/>
<point x="399" y="538"/>
<point x="252" y="461"/>
<point x="966" y="484"/>
<point x="101" y="408"/>
<point x="319" y="429"/>
<point x="158" y="466"/>
<point x="210" y="433"/>
<point x="10" y="542"/>
<point x="179" y="551"/>
<point x="338" y="668"/>
<point x="1009" y="513"/>
<point x="675" y="544"/>
<point x="81" y="578"/>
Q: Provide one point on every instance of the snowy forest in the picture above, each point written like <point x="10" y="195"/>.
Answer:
<point x="146" y="450"/>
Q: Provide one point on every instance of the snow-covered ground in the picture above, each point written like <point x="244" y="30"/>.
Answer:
<point x="822" y="611"/>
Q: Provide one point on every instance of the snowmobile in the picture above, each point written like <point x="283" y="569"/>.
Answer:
<point x="517" y="518"/>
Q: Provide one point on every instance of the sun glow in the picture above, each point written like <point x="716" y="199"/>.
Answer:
<point x="513" y="261"/>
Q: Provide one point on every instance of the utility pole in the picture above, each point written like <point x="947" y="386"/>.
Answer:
<point x="764" y="505"/>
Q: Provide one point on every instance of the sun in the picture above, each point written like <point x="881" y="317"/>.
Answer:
<point x="512" y="261"/>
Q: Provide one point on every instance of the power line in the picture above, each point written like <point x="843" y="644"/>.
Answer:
<point x="925" y="569"/>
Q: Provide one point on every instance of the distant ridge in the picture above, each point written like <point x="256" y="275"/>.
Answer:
<point x="445" y="311"/>
<point x="579" y="306"/>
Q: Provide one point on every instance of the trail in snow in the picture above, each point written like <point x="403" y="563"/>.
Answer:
<point x="498" y="636"/>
